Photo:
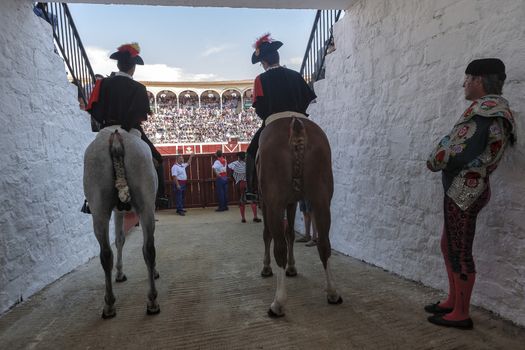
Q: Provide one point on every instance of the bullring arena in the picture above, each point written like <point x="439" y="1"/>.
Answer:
<point x="387" y="76"/>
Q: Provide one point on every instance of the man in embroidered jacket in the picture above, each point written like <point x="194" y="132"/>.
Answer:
<point x="466" y="157"/>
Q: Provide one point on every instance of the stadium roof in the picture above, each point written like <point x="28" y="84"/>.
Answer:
<point x="272" y="4"/>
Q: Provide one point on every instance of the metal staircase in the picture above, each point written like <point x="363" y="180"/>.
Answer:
<point x="319" y="45"/>
<point x="70" y="48"/>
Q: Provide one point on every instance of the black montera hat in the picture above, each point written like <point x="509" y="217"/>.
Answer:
<point x="128" y="53"/>
<point x="486" y="66"/>
<point x="263" y="46"/>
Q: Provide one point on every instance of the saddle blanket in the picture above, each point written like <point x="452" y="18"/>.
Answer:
<point x="281" y="115"/>
<point x="110" y="129"/>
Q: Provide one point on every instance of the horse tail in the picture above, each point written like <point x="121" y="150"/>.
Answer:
<point x="116" y="149"/>
<point x="297" y="142"/>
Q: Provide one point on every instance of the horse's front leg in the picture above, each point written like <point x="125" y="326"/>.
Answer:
<point x="267" y="237"/>
<point x="322" y="222"/>
<point x="274" y="220"/>
<point x="147" y="221"/>
<point x="267" y="269"/>
<point x="291" y="271"/>
<point x="120" y="239"/>
<point x="101" y="228"/>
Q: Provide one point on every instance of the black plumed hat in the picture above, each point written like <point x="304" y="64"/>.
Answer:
<point x="486" y="66"/>
<point x="128" y="53"/>
<point x="263" y="46"/>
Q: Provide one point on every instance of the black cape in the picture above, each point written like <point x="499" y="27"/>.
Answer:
<point x="119" y="100"/>
<point x="281" y="89"/>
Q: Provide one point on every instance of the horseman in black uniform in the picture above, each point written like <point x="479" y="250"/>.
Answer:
<point x="120" y="100"/>
<point x="278" y="89"/>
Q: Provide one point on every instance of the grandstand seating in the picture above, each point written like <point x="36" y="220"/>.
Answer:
<point x="199" y="125"/>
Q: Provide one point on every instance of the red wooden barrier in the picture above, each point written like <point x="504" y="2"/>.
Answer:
<point x="200" y="189"/>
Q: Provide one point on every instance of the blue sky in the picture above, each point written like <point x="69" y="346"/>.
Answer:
<point x="182" y="43"/>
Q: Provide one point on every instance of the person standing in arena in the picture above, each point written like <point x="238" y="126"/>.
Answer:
<point x="219" y="168"/>
<point x="120" y="100"/>
<point x="180" y="178"/>
<point x="239" y="176"/>
<point x="309" y="224"/>
<point x="466" y="157"/>
<point x="278" y="89"/>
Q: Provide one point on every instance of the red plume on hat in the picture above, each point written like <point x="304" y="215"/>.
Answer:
<point x="264" y="45"/>
<point x="133" y="49"/>
<point x="263" y="39"/>
<point x="128" y="52"/>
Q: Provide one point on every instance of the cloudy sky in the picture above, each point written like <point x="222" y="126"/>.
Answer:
<point x="190" y="44"/>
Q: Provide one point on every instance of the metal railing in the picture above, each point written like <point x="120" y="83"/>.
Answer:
<point x="70" y="47"/>
<point x="320" y="42"/>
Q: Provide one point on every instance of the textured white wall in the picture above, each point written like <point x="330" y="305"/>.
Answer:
<point x="43" y="137"/>
<point x="392" y="88"/>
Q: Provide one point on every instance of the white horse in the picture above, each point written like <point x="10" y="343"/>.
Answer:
<point x="118" y="168"/>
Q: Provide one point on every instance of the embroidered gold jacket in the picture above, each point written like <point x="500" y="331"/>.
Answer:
<point x="473" y="149"/>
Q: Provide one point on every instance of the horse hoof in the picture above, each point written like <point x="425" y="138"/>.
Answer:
<point x="291" y="272"/>
<point x="110" y="314"/>
<point x="335" y="302"/>
<point x="272" y="314"/>
<point x="266" y="272"/>
<point x="153" y="310"/>
<point x="122" y="278"/>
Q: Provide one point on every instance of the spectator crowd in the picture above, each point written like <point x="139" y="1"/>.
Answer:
<point x="191" y="124"/>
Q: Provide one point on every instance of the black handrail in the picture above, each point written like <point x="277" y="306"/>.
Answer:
<point x="321" y="39"/>
<point x="71" y="49"/>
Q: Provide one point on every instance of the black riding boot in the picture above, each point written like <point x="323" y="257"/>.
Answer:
<point x="162" y="200"/>
<point x="251" y="178"/>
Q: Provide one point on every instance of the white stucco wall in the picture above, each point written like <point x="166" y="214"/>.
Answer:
<point x="43" y="235"/>
<point x="392" y="89"/>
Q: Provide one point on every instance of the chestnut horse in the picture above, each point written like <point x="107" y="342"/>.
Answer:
<point x="118" y="170"/>
<point x="294" y="162"/>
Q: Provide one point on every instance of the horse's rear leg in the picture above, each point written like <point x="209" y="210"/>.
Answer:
<point x="101" y="228"/>
<point x="120" y="239"/>
<point x="322" y="220"/>
<point x="147" y="221"/>
<point x="291" y="271"/>
<point x="274" y="220"/>
<point x="267" y="269"/>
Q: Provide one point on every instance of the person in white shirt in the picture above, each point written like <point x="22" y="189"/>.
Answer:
<point x="221" y="180"/>
<point x="239" y="176"/>
<point x="180" y="179"/>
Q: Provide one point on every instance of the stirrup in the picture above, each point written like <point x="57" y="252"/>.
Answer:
<point x="162" y="203"/>
<point x="251" y="196"/>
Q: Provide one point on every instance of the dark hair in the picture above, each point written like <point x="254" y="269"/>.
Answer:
<point x="271" y="58"/>
<point x="492" y="84"/>
<point x="99" y="76"/>
<point x="241" y="155"/>
<point x="125" y="66"/>
<point x="218" y="153"/>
